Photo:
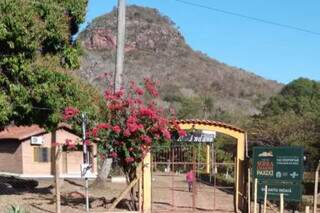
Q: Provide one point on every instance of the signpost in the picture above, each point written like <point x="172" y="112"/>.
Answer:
<point x="198" y="136"/>
<point x="281" y="169"/>
<point x="291" y="192"/>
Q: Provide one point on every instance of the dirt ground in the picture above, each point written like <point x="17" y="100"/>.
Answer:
<point x="72" y="197"/>
<point x="169" y="194"/>
<point x="205" y="198"/>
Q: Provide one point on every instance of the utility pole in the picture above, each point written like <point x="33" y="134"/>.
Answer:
<point x="57" y="154"/>
<point x="120" y="44"/>
<point x="315" y="196"/>
<point x="86" y="158"/>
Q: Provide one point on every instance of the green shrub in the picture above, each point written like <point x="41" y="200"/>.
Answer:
<point x="16" y="209"/>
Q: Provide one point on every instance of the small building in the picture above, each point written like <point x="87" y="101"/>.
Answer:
<point x="28" y="151"/>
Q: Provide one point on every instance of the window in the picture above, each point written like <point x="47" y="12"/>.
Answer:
<point x="41" y="154"/>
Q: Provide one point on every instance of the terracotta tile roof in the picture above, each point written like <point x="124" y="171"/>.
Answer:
<point x="23" y="132"/>
<point x="20" y="132"/>
<point x="210" y="123"/>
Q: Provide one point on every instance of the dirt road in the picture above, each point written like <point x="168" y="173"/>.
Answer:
<point x="169" y="194"/>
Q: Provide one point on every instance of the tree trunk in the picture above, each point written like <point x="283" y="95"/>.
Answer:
<point x="103" y="173"/>
<point x="131" y="175"/>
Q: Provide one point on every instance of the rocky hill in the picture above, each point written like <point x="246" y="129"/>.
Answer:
<point x="155" y="48"/>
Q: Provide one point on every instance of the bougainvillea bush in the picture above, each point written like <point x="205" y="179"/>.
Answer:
<point x="134" y="123"/>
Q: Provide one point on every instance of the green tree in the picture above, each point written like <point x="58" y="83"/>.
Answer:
<point x="188" y="107"/>
<point x="300" y="96"/>
<point x="291" y="118"/>
<point x="37" y="58"/>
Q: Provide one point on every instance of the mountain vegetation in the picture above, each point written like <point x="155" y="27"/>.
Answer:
<point x="195" y="84"/>
<point x="37" y="59"/>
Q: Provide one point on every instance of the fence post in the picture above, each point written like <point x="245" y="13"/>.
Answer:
<point x="57" y="177"/>
<point x="307" y="209"/>
<point x="147" y="183"/>
<point x="281" y="203"/>
<point x="139" y="175"/>
<point x="255" y="195"/>
<point x="208" y="159"/>
<point x="249" y="190"/>
<point x="315" y="196"/>
<point x="265" y="199"/>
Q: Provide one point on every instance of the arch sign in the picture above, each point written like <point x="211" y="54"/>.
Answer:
<point x="240" y="186"/>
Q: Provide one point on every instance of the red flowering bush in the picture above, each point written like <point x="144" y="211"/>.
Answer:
<point x="133" y="125"/>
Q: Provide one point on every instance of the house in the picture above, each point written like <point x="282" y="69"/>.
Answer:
<point x="28" y="151"/>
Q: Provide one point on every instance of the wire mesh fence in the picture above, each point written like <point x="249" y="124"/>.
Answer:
<point x="211" y="189"/>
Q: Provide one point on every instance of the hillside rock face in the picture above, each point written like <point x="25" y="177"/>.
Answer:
<point x="155" y="48"/>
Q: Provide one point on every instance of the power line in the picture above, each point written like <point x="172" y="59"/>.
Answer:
<point x="250" y="17"/>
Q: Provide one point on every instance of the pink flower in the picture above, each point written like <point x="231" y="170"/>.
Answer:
<point x="137" y="101"/>
<point x="139" y="91"/>
<point x="130" y="101"/>
<point x="119" y="94"/>
<point x="140" y="126"/>
<point x="146" y="139"/>
<point x="100" y="126"/>
<point x="113" y="154"/>
<point x="69" y="144"/>
<point x="88" y="134"/>
<point x="132" y="124"/>
<point x="103" y="126"/>
<point x="87" y="142"/>
<point x="150" y="87"/>
<point x="166" y="134"/>
<point x="182" y="133"/>
<point x="108" y="95"/>
<point x="116" y="129"/>
<point x="132" y="127"/>
<point x="95" y="132"/>
<point x="129" y="160"/>
<point x="126" y="132"/>
<point x="148" y="112"/>
<point x="132" y="119"/>
<point x="70" y="112"/>
<point x="130" y="149"/>
<point x="115" y="105"/>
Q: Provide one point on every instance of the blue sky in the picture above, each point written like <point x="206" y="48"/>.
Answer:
<point x="270" y="51"/>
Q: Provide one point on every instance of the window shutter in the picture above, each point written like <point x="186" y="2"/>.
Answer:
<point x="41" y="154"/>
<point x="36" y="154"/>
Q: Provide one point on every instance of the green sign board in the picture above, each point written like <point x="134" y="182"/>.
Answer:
<point x="278" y="163"/>
<point x="290" y="191"/>
<point x="281" y="169"/>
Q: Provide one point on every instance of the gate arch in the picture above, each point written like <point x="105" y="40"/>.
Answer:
<point x="240" y="192"/>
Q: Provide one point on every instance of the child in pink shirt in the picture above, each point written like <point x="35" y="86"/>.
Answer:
<point x="189" y="178"/>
